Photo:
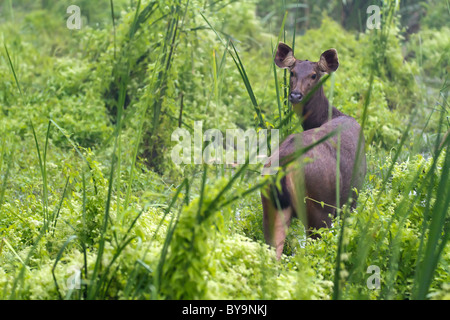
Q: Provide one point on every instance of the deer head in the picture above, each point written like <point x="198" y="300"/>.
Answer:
<point x="304" y="74"/>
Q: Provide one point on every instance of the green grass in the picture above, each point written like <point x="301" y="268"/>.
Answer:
<point x="87" y="182"/>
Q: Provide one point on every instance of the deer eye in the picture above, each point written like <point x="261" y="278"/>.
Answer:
<point x="314" y="76"/>
<point x="292" y="74"/>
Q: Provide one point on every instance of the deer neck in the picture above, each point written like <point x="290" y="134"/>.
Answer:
<point x="315" y="111"/>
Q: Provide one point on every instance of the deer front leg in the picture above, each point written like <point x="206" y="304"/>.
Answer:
<point x="275" y="224"/>
<point x="317" y="217"/>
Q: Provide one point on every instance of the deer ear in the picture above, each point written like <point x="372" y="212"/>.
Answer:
<point x="285" y="56"/>
<point x="329" y="61"/>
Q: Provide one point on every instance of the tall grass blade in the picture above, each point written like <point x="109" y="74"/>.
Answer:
<point x="235" y="56"/>
<point x="6" y="172"/>
<point x="111" y="2"/>
<point x="57" y="259"/>
<point x="277" y="88"/>
<point x="169" y="236"/>
<point x="42" y="166"/>
<point x="55" y="215"/>
<point x="14" y="72"/>
<point x="435" y="221"/>
<point x="15" y="253"/>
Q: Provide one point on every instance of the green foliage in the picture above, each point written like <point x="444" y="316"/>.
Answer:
<point x="92" y="206"/>
<point x="190" y="250"/>
<point x="436" y="13"/>
<point x="430" y="48"/>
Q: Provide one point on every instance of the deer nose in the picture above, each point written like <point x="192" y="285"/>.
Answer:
<point x="295" y="97"/>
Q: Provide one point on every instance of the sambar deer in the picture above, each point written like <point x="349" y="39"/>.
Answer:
<point x="315" y="183"/>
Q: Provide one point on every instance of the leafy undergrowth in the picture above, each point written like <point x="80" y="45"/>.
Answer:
<point x="206" y="259"/>
<point x="93" y="207"/>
